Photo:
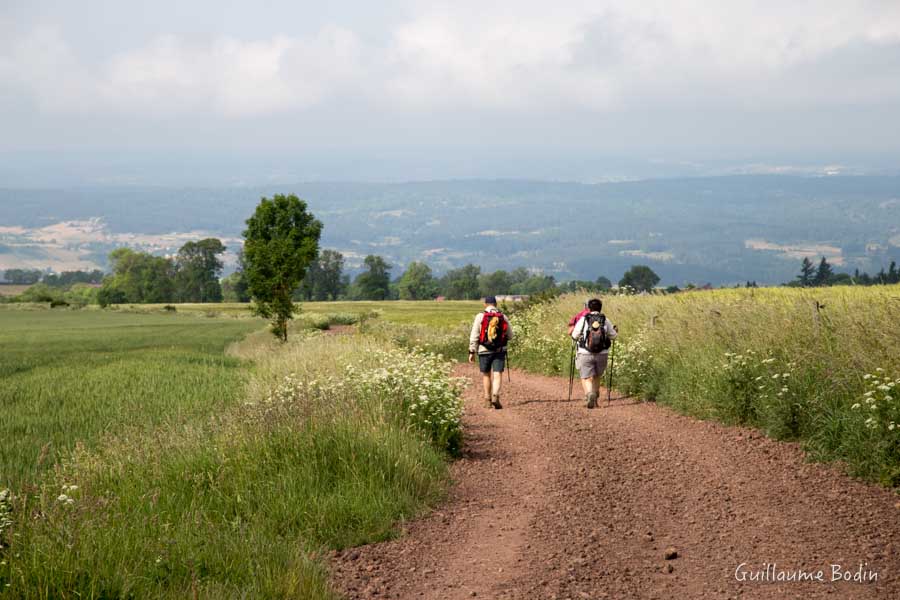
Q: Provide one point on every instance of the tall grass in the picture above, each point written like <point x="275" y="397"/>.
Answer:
<point x="791" y="362"/>
<point x="333" y="444"/>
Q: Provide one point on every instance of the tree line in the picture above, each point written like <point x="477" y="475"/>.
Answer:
<point x="65" y="279"/>
<point x="193" y="275"/>
<point x="135" y="278"/>
<point x="823" y="275"/>
<point x="325" y="280"/>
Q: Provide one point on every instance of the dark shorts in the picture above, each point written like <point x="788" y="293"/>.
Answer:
<point x="495" y="361"/>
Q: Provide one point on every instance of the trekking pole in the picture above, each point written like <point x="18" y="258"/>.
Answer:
<point x="508" y="367"/>
<point x="571" y="370"/>
<point x="612" y="364"/>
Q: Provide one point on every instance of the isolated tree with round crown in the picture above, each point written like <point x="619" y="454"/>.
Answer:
<point x="280" y="242"/>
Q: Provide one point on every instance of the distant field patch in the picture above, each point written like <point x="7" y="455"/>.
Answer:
<point x="12" y="290"/>
<point x="799" y="251"/>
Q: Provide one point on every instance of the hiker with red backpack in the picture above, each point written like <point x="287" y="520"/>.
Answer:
<point x="593" y="334"/>
<point x="489" y="337"/>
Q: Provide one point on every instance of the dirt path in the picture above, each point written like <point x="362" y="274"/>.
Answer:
<point x="554" y="501"/>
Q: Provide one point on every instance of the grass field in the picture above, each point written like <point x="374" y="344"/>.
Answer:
<point x="437" y="314"/>
<point x="184" y="463"/>
<point x="73" y="376"/>
<point x="817" y="365"/>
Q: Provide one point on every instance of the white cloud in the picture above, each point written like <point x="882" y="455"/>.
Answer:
<point x="170" y="75"/>
<point x="525" y="56"/>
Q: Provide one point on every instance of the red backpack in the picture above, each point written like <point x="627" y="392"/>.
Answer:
<point x="494" y="331"/>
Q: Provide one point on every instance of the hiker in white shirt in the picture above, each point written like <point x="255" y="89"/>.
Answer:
<point x="488" y="339"/>
<point x="593" y="334"/>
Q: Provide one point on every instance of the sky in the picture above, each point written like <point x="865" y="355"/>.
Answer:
<point x="213" y="92"/>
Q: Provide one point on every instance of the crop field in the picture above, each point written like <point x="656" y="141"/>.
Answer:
<point x="73" y="376"/>
<point x="817" y="365"/>
<point x="170" y="454"/>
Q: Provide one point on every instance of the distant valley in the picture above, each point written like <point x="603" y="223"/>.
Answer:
<point x="719" y="230"/>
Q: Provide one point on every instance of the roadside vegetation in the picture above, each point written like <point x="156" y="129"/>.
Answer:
<point x="276" y="453"/>
<point x="819" y="366"/>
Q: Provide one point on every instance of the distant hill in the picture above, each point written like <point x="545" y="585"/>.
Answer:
<point x="718" y="230"/>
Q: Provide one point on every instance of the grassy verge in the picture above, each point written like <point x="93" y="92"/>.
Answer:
<point x="819" y="366"/>
<point x="338" y="438"/>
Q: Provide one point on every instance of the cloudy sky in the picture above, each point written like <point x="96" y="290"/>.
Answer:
<point x="121" y="91"/>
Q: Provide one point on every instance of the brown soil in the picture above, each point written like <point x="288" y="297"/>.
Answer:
<point x="552" y="500"/>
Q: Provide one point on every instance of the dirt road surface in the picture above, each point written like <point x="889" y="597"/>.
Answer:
<point x="551" y="500"/>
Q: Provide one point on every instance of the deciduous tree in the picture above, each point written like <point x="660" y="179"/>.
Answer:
<point x="640" y="277"/>
<point x="417" y="283"/>
<point x="280" y="242"/>
<point x="462" y="283"/>
<point x="198" y="269"/>
<point x="374" y="283"/>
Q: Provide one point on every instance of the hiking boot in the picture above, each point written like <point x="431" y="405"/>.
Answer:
<point x="495" y="402"/>
<point x="592" y="400"/>
<point x="488" y="403"/>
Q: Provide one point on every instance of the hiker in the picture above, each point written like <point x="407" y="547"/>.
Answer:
<point x="593" y="334"/>
<point x="490" y="334"/>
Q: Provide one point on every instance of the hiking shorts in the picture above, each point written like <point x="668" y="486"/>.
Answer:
<point x="591" y="365"/>
<point x="495" y="361"/>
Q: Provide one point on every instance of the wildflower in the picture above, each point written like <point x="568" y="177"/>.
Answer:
<point x="855" y="406"/>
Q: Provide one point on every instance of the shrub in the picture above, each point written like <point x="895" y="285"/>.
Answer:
<point x="40" y="292"/>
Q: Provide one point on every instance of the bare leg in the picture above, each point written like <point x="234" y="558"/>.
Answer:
<point x="486" y="382"/>
<point x="496" y="382"/>
<point x="590" y="385"/>
<point x="587" y="385"/>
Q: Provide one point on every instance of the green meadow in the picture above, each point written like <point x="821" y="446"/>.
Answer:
<point x="439" y="314"/>
<point x="170" y="454"/>
<point x="74" y="376"/>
